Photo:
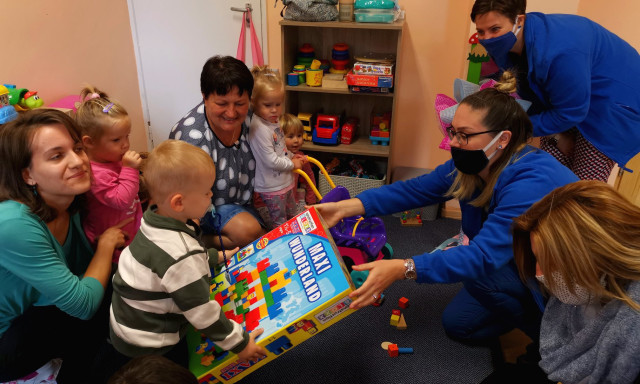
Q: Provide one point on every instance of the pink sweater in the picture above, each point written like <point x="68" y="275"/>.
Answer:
<point x="113" y="197"/>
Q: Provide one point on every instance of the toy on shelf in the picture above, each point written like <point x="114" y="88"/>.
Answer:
<point x="340" y="58"/>
<point x="477" y="56"/>
<point x="7" y="112"/>
<point x="380" y="127"/>
<point x="411" y="218"/>
<point x="327" y="130"/>
<point x="349" y="130"/>
<point x="306" y="54"/>
<point x="359" y="240"/>
<point x="314" y="74"/>
<point x="22" y="99"/>
<point x="307" y="125"/>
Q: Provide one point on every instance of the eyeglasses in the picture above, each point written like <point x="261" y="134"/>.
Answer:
<point x="463" y="138"/>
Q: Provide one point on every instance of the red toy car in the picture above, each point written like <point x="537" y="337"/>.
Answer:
<point x="349" y="130"/>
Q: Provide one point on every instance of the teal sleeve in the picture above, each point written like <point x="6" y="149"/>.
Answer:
<point x="33" y="255"/>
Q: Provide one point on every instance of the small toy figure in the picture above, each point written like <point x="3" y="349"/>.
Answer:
<point x="31" y="100"/>
<point x="380" y="126"/>
<point x="7" y="112"/>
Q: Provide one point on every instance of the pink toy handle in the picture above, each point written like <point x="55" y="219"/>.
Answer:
<point x="256" y="50"/>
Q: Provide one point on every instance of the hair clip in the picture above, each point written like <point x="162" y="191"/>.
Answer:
<point x="107" y="108"/>
<point x="93" y="96"/>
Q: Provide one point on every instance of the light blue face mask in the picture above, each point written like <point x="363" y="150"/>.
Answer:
<point x="499" y="47"/>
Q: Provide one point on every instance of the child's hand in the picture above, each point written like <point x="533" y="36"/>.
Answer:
<point x="298" y="162"/>
<point x="252" y="350"/>
<point x="132" y="159"/>
<point x="229" y="252"/>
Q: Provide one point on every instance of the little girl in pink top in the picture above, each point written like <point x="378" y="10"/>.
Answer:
<point x="113" y="197"/>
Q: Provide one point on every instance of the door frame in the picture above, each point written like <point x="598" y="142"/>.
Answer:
<point x="136" y="48"/>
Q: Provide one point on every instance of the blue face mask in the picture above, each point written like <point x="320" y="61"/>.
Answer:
<point x="499" y="47"/>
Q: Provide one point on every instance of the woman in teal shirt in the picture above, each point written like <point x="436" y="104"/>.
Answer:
<point x="51" y="281"/>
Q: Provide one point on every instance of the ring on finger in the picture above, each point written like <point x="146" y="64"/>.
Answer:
<point x="375" y="297"/>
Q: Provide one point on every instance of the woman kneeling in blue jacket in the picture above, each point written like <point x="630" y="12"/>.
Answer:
<point x="496" y="176"/>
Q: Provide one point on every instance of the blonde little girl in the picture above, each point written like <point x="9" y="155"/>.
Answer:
<point x="113" y="197"/>
<point x="293" y="138"/>
<point x="274" y="179"/>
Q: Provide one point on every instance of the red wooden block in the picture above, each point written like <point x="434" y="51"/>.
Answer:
<point x="403" y="302"/>
<point x="396" y="312"/>
<point x="393" y="350"/>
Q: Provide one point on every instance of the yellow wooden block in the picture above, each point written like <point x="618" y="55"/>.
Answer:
<point x="394" y="320"/>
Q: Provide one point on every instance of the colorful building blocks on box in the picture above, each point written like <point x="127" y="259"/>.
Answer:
<point x="403" y="303"/>
<point x="291" y="282"/>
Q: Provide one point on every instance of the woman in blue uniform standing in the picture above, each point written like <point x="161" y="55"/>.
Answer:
<point x="583" y="81"/>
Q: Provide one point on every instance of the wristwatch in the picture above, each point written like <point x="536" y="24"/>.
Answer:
<point x="410" y="270"/>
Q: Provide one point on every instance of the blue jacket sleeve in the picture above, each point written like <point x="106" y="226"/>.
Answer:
<point x="417" y="192"/>
<point x="491" y="249"/>
<point x="566" y="89"/>
<point x="39" y="262"/>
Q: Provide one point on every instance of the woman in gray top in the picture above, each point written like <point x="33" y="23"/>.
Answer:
<point x="582" y="243"/>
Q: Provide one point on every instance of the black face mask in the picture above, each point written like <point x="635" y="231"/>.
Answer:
<point x="472" y="161"/>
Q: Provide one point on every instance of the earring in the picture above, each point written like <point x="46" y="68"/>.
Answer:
<point x="33" y="188"/>
<point x="500" y="146"/>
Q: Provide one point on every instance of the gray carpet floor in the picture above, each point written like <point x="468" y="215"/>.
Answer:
<point x="350" y="352"/>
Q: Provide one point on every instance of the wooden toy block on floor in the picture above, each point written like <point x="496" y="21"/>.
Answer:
<point x="412" y="218"/>
<point x="402" y="324"/>
<point x="393" y="350"/>
<point x="403" y="303"/>
<point x="379" y="302"/>
<point x="394" y="320"/>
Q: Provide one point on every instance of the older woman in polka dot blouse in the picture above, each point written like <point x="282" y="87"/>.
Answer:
<point x="217" y="125"/>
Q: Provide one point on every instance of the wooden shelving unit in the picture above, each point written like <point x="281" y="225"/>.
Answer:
<point x="362" y="38"/>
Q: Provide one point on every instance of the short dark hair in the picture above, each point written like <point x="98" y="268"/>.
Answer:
<point x="508" y="8"/>
<point x="221" y="73"/>
<point x="152" y="369"/>
<point x="15" y="155"/>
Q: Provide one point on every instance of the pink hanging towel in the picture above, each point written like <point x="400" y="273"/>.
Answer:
<point x="256" y="50"/>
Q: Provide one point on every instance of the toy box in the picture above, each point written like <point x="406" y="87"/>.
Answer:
<point x="292" y="282"/>
<point x="372" y="68"/>
<point x="382" y="81"/>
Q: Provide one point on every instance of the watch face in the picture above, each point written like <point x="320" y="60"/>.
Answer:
<point x="411" y="275"/>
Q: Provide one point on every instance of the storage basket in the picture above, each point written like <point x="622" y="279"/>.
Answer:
<point x="354" y="185"/>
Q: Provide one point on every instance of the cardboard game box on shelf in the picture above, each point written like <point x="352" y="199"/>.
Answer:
<point x="292" y="282"/>
<point x="384" y="81"/>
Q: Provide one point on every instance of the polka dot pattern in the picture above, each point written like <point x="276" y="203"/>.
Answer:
<point x="235" y="165"/>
